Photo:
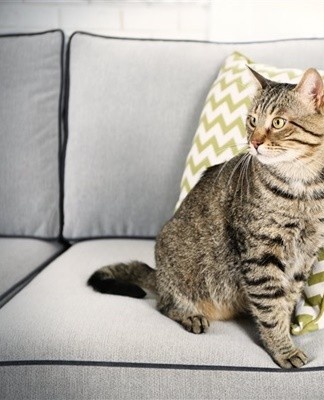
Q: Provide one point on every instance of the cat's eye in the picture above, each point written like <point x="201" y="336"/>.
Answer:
<point x="252" y="121"/>
<point x="278" y="122"/>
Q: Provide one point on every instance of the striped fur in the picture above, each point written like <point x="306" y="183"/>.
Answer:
<point x="245" y="238"/>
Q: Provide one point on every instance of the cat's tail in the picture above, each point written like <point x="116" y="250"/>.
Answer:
<point x="124" y="279"/>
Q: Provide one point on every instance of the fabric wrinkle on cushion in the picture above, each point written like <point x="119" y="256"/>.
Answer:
<point x="221" y="135"/>
<point x="30" y="71"/>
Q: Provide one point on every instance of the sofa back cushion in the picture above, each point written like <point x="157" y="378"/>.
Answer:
<point x="133" y="109"/>
<point x="31" y="77"/>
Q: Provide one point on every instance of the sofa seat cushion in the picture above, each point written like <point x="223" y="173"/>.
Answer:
<point x="21" y="260"/>
<point x="84" y="344"/>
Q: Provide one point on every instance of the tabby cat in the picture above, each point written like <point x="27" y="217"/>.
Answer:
<point x="247" y="235"/>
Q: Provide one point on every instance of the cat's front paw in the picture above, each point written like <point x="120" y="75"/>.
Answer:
<point x="295" y="359"/>
<point x="196" y="324"/>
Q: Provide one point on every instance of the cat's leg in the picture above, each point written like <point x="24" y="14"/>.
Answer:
<point x="275" y="334"/>
<point x="271" y="298"/>
<point x="271" y="305"/>
<point x="184" y="313"/>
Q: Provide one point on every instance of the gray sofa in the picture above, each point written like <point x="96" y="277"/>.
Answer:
<point x="93" y="143"/>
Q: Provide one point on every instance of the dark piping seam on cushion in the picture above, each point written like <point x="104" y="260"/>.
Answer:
<point x="189" y="367"/>
<point x="112" y="237"/>
<point x="65" y="125"/>
<point x="4" y="35"/>
<point x="47" y="239"/>
<point x="193" y="40"/>
<point x="28" y="278"/>
<point x="61" y="141"/>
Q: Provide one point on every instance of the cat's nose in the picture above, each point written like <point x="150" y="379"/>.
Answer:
<point x="256" y="143"/>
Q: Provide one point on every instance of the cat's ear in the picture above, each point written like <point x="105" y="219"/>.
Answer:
<point x="311" y="87"/>
<point x="261" y="80"/>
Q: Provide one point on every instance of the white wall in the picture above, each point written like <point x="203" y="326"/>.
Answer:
<point x="161" y="19"/>
<point x="219" y="20"/>
<point x="250" y="20"/>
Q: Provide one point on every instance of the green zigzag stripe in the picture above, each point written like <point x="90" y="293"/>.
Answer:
<point x="195" y="168"/>
<point x="224" y="83"/>
<point x="221" y="121"/>
<point x="320" y="255"/>
<point x="185" y="186"/>
<point x="305" y="319"/>
<point x="229" y="101"/>
<point x="307" y="323"/>
<point x="234" y="69"/>
<point x="316" y="278"/>
<point x="314" y="300"/>
<point x="216" y="147"/>
<point x="237" y="56"/>
<point x="205" y="163"/>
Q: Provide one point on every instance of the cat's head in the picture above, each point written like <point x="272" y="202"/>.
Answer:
<point x="285" y="122"/>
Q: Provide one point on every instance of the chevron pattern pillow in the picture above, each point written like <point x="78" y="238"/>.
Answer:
<point x="310" y="309"/>
<point x="221" y="135"/>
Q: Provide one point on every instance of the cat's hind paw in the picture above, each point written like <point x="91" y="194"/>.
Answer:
<point x="196" y="324"/>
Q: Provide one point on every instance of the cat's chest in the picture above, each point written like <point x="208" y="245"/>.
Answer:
<point x="302" y="242"/>
<point x="297" y="257"/>
<point x="298" y="188"/>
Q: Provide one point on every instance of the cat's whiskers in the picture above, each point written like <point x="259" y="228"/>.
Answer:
<point x="246" y="172"/>
<point x="244" y="176"/>
<point x="241" y="160"/>
<point x="235" y="147"/>
<point x="239" y="146"/>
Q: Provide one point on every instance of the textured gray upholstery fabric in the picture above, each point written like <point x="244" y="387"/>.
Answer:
<point x="72" y="340"/>
<point x="134" y="107"/>
<point x="111" y="383"/>
<point x="20" y="259"/>
<point x="30" y="75"/>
